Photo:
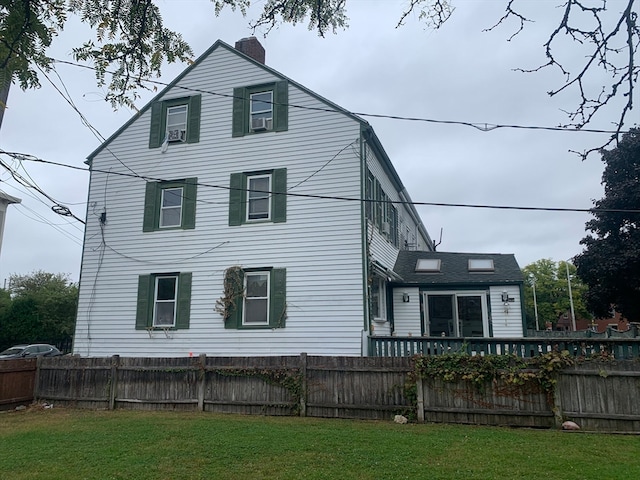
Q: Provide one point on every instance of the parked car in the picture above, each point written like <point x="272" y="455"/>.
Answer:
<point x="30" y="351"/>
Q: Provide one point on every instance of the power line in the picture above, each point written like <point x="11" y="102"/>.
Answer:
<point x="482" y="126"/>
<point x="349" y="199"/>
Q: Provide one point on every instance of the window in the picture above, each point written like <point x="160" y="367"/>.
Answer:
<point x="378" y="299"/>
<point x="262" y="301"/>
<point x="177" y="120"/>
<point x="177" y="123"/>
<point x="258" y="196"/>
<point x="256" y="298"/>
<point x="481" y="265"/>
<point x="260" y="108"/>
<point x="428" y="265"/>
<point x="170" y="205"/>
<point x="164" y="301"/>
<point x="460" y="314"/>
<point x="261" y="111"/>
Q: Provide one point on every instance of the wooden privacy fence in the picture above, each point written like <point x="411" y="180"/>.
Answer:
<point x="599" y="395"/>
<point x="17" y="380"/>
<point x="345" y="387"/>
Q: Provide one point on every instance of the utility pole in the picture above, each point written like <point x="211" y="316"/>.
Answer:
<point x="573" y="313"/>
<point x="535" y="301"/>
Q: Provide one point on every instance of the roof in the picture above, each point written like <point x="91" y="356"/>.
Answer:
<point x="6" y="198"/>
<point x="454" y="269"/>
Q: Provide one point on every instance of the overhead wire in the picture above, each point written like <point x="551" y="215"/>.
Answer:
<point x="482" y="126"/>
<point x="342" y="198"/>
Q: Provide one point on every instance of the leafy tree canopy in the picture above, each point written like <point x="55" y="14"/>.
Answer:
<point x="552" y="292"/>
<point x="40" y="307"/>
<point x="610" y="261"/>
<point x="131" y="42"/>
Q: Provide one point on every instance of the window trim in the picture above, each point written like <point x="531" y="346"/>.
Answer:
<point x="153" y="204"/>
<point x="163" y="208"/>
<point x="267" y="195"/>
<point x="247" y="298"/>
<point x="157" y="301"/>
<point x="241" y="113"/>
<point x="238" y="197"/>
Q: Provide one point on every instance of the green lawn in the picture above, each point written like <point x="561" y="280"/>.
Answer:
<point x="78" y="444"/>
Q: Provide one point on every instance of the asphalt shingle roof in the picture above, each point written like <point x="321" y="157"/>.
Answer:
<point x="454" y="269"/>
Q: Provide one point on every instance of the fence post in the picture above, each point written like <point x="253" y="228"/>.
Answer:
<point x="303" y="386"/>
<point x="557" y="403"/>
<point x="420" y="400"/>
<point x="203" y="379"/>
<point x="36" y="379"/>
<point x="115" y="362"/>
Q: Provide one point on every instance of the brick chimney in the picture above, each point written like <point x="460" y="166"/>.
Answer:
<point x="251" y="47"/>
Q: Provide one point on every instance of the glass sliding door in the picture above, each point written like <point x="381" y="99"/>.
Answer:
<point x="456" y="314"/>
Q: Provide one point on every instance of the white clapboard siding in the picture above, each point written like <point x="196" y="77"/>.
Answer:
<point x="407" y="317"/>
<point x="320" y="244"/>
<point x="506" y="319"/>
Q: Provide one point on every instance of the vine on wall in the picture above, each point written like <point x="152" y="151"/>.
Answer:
<point x="232" y="293"/>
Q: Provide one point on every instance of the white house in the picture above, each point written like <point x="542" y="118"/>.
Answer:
<point x="239" y="213"/>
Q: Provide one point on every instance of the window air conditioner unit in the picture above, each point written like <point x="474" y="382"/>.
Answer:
<point x="259" y="124"/>
<point x="177" y="135"/>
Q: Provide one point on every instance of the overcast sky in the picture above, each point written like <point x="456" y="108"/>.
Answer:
<point x="458" y="73"/>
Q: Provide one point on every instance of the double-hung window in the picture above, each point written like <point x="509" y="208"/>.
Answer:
<point x="378" y="299"/>
<point x="170" y="205"/>
<point x="256" y="299"/>
<point x="164" y="300"/>
<point x="177" y="123"/>
<point x="261" y="111"/>
<point x="175" y="120"/>
<point x="258" y="197"/>
<point x="260" y="108"/>
<point x="260" y="300"/>
<point x="166" y="295"/>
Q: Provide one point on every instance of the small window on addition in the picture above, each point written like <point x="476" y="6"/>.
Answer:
<point x="481" y="265"/>
<point x="428" y="265"/>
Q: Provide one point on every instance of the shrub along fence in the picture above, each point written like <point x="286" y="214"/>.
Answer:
<point x="598" y="395"/>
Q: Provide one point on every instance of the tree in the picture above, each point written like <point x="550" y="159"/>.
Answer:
<point x="610" y="261"/>
<point x="131" y="42"/>
<point x="552" y="292"/>
<point x="42" y="307"/>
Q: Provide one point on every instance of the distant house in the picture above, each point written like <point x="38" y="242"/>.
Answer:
<point x="240" y="213"/>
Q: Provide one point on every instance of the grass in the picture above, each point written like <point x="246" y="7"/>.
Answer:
<point x="79" y="444"/>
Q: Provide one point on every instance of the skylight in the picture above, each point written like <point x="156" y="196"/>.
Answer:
<point x="428" y="265"/>
<point x="481" y="265"/>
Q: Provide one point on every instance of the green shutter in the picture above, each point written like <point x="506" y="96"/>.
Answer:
<point x="237" y="199"/>
<point x="155" y="131"/>
<point x="189" y="208"/>
<point x="281" y="107"/>
<point x="278" y="300"/>
<point x="279" y="197"/>
<point x="151" y="207"/>
<point x="184" y="300"/>
<point x="144" y="308"/>
<point x="235" y="277"/>
<point x="193" y="122"/>
<point x="240" y="121"/>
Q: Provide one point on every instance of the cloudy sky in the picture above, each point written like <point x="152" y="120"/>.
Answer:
<point x="458" y="73"/>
